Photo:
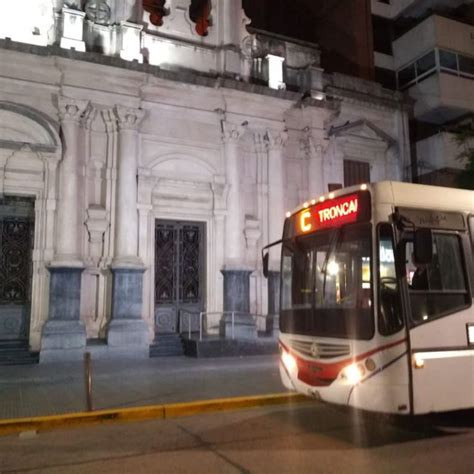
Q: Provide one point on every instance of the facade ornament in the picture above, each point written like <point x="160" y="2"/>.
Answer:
<point x="71" y="110"/>
<point x="98" y="11"/>
<point x="310" y="146"/>
<point x="232" y="133"/>
<point x="128" y="118"/>
<point x="276" y="140"/>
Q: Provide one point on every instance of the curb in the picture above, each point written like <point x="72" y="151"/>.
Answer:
<point x="151" y="412"/>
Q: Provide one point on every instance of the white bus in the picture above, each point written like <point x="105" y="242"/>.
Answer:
<point x="376" y="298"/>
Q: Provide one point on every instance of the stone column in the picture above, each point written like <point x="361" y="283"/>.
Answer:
<point x="276" y="192"/>
<point x="236" y="276"/>
<point x="234" y="226"/>
<point x="314" y="152"/>
<point x="276" y="215"/>
<point x="64" y="336"/>
<point x="128" y="333"/>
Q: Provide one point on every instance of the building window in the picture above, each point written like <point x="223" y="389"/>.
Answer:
<point x="438" y="60"/>
<point x="426" y="63"/>
<point x="356" y="172"/>
<point x="466" y="65"/>
<point x="448" y="60"/>
<point x="406" y="75"/>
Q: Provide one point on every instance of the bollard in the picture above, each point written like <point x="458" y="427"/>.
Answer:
<point x="88" y="380"/>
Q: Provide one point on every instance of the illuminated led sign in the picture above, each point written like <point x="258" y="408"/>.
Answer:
<point x="332" y="213"/>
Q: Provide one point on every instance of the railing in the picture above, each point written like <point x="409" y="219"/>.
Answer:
<point x="201" y="315"/>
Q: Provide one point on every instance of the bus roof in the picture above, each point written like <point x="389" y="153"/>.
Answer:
<point x="403" y="194"/>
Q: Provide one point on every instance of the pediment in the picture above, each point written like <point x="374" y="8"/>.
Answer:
<point x="362" y="129"/>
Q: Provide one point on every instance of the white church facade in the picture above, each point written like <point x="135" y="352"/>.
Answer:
<point x="148" y="151"/>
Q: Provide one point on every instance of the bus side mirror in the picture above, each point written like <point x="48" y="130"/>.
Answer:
<point x="423" y="246"/>
<point x="265" y="264"/>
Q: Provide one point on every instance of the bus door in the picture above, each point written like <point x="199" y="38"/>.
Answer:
<point x="440" y="310"/>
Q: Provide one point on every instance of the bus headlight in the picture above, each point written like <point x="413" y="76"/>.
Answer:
<point x="418" y="361"/>
<point x="470" y="334"/>
<point x="353" y="373"/>
<point x="288" y="361"/>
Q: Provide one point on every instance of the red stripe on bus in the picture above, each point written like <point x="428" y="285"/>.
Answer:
<point x="318" y="374"/>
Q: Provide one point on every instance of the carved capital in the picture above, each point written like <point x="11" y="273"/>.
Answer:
<point x="275" y="140"/>
<point x="232" y="133"/>
<point x="72" y="110"/>
<point x="128" y="118"/>
<point x="311" y="146"/>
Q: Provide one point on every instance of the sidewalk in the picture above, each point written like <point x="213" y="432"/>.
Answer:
<point x="51" y="389"/>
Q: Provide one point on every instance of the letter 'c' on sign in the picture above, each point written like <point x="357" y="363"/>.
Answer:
<point x="305" y="226"/>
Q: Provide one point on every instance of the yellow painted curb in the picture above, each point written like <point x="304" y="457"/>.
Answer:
<point x="41" y="423"/>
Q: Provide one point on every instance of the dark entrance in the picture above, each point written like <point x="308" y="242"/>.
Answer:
<point x="179" y="274"/>
<point x="16" y="243"/>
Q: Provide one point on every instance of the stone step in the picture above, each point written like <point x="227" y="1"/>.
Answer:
<point x="16" y="352"/>
<point x="167" y="345"/>
<point x="19" y="358"/>
<point x="13" y="343"/>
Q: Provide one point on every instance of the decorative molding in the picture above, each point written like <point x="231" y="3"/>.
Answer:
<point x="110" y="120"/>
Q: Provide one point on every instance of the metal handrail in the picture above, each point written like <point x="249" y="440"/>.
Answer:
<point x="202" y="313"/>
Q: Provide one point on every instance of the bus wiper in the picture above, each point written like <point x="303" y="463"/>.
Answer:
<point x="333" y="244"/>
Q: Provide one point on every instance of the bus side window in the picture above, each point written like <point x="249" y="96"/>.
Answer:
<point x="390" y="318"/>
<point x="440" y="287"/>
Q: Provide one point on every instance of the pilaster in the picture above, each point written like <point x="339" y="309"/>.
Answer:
<point x="128" y="332"/>
<point x="64" y="335"/>
<point x="314" y="150"/>
<point x="126" y="225"/>
<point x="275" y="142"/>
<point x="234" y="222"/>
<point x="68" y="246"/>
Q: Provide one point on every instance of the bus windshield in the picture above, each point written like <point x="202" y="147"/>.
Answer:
<point x="326" y="283"/>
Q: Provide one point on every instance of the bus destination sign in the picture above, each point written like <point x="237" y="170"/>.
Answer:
<point x="332" y="213"/>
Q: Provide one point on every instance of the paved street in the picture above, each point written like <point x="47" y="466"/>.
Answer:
<point x="60" y="388"/>
<point x="309" y="438"/>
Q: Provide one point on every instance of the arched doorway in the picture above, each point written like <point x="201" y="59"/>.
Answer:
<point x="30" y="150"/>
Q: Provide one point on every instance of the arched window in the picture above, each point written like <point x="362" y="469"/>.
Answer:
<point x="200" y="13"/>
<point x="157" y="11"/>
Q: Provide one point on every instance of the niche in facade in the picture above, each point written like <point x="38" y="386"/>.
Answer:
<point x="200" y="14"/>
<point x="157" y="11"/>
